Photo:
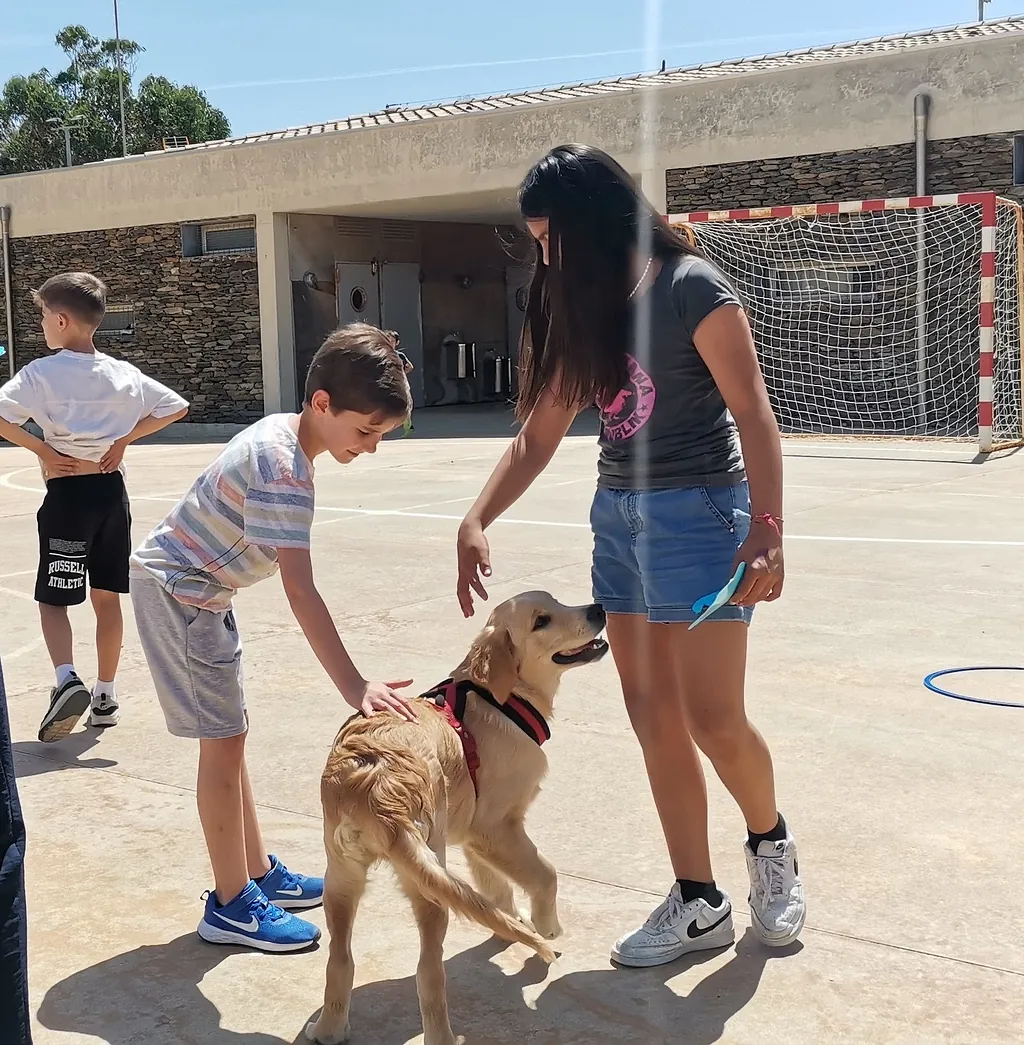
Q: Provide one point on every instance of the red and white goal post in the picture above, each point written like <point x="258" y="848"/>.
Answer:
<point x="896" y="317"/>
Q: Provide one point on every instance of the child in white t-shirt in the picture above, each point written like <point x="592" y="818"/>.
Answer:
<point x="89" y="407"/>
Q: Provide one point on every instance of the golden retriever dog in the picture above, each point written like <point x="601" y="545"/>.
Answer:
<point x="465" y="774"/>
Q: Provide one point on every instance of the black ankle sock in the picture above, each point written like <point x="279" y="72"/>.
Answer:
<point x="690" y="891"/>
<point x="776" y="834"/>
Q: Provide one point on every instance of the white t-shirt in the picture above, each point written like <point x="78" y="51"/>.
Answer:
<point x="84" y="401"/>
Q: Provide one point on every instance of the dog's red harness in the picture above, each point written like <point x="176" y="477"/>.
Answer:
<point x="450" y="698"/>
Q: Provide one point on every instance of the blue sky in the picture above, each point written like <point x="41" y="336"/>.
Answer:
<point x="278" y="63"/>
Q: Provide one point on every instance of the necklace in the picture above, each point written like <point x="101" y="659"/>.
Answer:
<point x="650" y="262"/>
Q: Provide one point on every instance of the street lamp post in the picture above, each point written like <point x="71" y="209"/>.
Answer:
<point x="67" y="127"/>
<point x="981" y="9"/>
<point x="120" y="80"/>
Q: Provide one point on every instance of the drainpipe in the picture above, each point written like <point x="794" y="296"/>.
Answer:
<point x="921" y="106"/>
<point x="5" y="235"/>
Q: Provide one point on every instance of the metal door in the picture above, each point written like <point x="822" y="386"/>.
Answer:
<point x="358" y="293"/>
<point x="400" y="311"/>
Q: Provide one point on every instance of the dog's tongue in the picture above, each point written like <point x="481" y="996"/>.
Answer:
<point x="579" y="649"/>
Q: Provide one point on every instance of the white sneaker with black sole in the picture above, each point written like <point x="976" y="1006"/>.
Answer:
<point x="105" y="710"/>
<point x="676" y="928"/>
<point x="778" y="907"/>
<point x="68" y="703"/>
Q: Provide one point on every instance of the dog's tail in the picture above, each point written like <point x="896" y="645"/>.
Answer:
<point x="412" y="854"/>
<point x="388" y="801"/>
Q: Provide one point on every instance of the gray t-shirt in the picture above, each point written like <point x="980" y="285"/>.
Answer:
<point x="669" y="426"/>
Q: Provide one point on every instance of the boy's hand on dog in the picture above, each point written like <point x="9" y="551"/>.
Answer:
<point x="381" y="696"/>
<point x="474" y="555"/>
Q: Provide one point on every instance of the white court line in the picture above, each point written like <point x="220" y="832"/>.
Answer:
<point x="789" y="536"/>
<point x="794" y="444"/>
<point x="17" y="573"/>
<point x="18" y="594"/>
<point x="22" y="650"/>
<point x="5" y="480"/>
<point x="474" y="496"/>
<point x="350" y="512"/>
<point x="919" y="488"/>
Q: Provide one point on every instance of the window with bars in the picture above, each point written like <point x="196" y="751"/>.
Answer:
<point x="228" y="239"/>
<point x="218" y="237"/>
<point x="119" y="321"/>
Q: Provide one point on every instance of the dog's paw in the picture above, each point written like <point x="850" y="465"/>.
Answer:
<point x="447" y="1039"/>
<point x="547" y="925"/>
<point x="325" y="1035"/>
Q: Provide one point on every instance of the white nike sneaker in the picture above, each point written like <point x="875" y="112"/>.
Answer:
<point x="777" y="904"/>
<point x="105" y="710"/>
<point x="674" y="929"/>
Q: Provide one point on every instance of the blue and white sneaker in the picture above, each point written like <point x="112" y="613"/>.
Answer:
<point x="251" y="920"/>
<point x="289" y="890"/>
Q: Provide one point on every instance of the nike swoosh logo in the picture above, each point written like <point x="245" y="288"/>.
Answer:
<point x="250" y="927"/>
<point x="297" y="891"/>
<point x="695" y="932"/>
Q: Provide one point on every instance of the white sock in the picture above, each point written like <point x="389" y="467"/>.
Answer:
<point x="64" y="672"/>
<point x="105" y="689"/>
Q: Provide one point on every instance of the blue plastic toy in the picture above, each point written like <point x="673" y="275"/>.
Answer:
<point x="709" y="604"/>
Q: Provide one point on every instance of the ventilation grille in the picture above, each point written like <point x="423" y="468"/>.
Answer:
<point x="399" y="231"/>
<point x="363" y="227"/>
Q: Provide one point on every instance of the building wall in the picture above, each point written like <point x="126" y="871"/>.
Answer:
<point x="469" y="165"/>
<point x="197" y="325"/>
<point x="978" y="162"/>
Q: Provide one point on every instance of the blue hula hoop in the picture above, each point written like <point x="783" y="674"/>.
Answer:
<point x="929" y="682"/>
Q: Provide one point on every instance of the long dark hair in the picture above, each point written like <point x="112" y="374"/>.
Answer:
<point x="578" y="319"/>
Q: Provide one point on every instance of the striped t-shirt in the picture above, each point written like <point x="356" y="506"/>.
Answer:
<point x="256" y="497"/>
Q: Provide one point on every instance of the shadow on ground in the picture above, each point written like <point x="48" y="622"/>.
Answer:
<point x="151" y="995"/>
<point x="31" y="758"/>
<point x="608" y="1006"/>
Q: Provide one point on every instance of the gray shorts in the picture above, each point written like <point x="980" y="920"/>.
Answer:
<point x="195" y="658"/>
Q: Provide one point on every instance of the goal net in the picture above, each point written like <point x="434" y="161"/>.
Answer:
<point x="898" y="317"/>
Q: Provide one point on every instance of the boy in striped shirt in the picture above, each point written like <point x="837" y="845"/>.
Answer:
<point x="246" y="517"/>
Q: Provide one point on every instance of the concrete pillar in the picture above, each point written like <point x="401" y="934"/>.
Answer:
<point x="277" y="323"/>
<point x="652" y="181"/>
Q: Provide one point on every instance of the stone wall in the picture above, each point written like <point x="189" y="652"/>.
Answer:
<point x="983" y="162"/>
<point x="197" y="325"/>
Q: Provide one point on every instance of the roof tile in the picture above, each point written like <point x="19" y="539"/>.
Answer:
<point x="709" y="71"/>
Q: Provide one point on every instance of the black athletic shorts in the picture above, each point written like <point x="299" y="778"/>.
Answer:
<point x="84" y="525"/>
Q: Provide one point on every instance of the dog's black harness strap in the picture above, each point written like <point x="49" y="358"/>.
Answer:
<point x="451" y="702"/>
<point x="518" y="709"/>
<point x="450" y="698"/>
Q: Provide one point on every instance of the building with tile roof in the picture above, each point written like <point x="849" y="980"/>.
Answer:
<point x="229" y="260"/>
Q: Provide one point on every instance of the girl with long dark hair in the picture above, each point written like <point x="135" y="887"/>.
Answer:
<point x="625" y="314"/>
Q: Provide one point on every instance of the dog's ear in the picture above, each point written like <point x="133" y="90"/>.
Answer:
<point x="494" y="664"/>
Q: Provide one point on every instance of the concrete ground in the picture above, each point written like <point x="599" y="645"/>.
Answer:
<point x="901" y="560"/>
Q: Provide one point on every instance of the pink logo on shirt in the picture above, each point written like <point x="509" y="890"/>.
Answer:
<point x="632" y="407"/>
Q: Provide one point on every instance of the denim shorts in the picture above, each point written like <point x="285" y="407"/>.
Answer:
<point x="657" y="552"/>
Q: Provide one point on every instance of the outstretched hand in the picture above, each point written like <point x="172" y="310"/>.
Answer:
<point x="474" y="555"/>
